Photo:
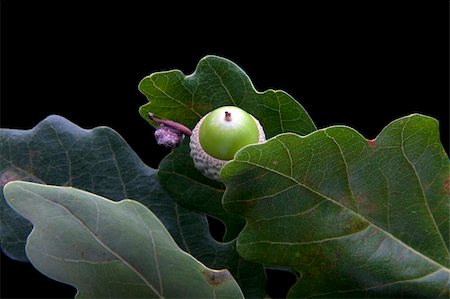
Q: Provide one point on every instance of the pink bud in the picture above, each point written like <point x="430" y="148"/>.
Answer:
<point x="168" y="136"/>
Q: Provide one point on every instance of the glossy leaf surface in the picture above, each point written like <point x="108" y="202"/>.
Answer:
<point x="110" y="249"/>
<point x="356" y="218"/>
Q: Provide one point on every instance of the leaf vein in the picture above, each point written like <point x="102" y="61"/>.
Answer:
<point x="421" y="186"/>
<point x="351" y="211"/>
<point x="172" y="98"/>
<point x="97" y="238"/>
<point x="309" y="242"/>
<point x="221" y="82"/>
<point x="346" y="169"/>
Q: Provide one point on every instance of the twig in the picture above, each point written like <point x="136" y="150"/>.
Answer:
<point x="170" y="123"/>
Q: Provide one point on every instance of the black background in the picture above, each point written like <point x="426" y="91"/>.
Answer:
<point x="357" y="63"/>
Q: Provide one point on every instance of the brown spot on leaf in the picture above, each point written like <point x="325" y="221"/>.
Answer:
<point x="217" y="277"/>
<point x="360" y="199"/>
<point x="372" y="143"/>
<point x="447" y="185"/>
<point x="365" y="204"/>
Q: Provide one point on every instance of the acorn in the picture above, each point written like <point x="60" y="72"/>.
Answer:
<point x="219" y="135"/>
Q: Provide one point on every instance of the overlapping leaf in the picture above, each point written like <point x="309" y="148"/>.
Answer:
<point x="110" y="250"/>
<point x="219" y="82"/>
<point x="57" y="152"/>
<point x="356" y="218"/>
<point x="216" y="82"/>
<point x="194" y="190"/>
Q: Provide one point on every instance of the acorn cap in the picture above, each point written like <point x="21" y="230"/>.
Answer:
<point x="205" y="163"/>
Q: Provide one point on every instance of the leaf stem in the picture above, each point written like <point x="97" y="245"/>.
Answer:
<point x="170" y="123"/>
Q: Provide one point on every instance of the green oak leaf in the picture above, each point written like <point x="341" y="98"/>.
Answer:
<point x="355" y="218"/>
<point x="195" y="191"/>
<point x="216" y="82"/>
<point x="57" y="152"/>
<point x="219" y="82"/>
<point x="110" y="249"/>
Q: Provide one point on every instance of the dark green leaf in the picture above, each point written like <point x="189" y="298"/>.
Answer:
<point x="356" y="218"/>
<point x="219" y="82"/>
<point x="57" y="152"/>
<point x="110" y="250"/>
<point x="216" y="82"/>
<point x="192" y="189"/>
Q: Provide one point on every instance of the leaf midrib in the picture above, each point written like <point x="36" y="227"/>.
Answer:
<point x="221" y="82"/>
<point x="351" y="211"/>
<point x="380" y="286"/>
<point x="96" y="238"/>
<point x="173" y="98"/>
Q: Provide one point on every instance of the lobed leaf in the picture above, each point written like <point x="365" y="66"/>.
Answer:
<point x="57" y="152"/>
<point x="216" y="82"/>
<point x="195" y="191"/>
<point x="110" y="249"/>
<point x="356" y="218"/>
<point x="219" y="82"/>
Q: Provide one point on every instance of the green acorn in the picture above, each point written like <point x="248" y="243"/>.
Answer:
<point x="219" y="135"/>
